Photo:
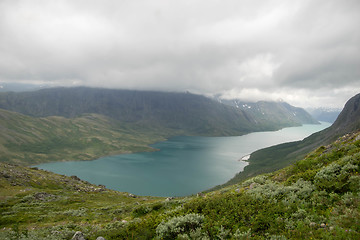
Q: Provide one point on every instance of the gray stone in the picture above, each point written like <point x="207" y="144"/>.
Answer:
<point x="78" y="236"/>
<point x="132" y="195"/>
<point x="252" y="185"/>
<point x="100" y="238"/>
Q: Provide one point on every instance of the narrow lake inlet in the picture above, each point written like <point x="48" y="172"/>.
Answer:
<point x="182" y="166"/>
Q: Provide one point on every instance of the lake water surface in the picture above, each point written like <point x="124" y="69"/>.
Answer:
<point x="182" y="166"/>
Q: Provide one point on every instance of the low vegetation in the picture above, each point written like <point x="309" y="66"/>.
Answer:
<point x="315" y="198"/>
<point x="27" y="140"/>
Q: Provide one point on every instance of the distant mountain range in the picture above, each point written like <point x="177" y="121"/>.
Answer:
<point x="324" y="114"/>
<point x="195" y="114"/>
<point x="65" y="123"/>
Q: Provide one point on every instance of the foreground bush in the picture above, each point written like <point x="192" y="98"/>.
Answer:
<point x="179" y="225"/>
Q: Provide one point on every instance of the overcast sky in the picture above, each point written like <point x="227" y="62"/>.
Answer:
<point x="304" y="52"/>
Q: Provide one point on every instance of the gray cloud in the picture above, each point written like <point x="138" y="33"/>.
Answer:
<point x="305" y="52"/>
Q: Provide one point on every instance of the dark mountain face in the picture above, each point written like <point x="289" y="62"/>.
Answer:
<point x="181" y="111"/>
<point x="348" y="121"/>
<point x="349" y="118"/>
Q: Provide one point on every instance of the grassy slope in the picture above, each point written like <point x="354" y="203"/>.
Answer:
<point x="36" y="199"/>
<point x="27" y="140"/>
<point x="318" y="198"/>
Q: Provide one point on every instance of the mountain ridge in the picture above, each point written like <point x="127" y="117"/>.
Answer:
<point x="271" y="112"/>
<point x="196" y="114"/>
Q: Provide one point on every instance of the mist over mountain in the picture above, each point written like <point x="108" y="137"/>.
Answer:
<point x="20" y="87"/>
<point x="270" y="112"/>
<point x="324" y="114"/>
<point x="195" y="114"/>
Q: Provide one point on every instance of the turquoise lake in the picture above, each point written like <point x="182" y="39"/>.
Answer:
<point x="182" y="166"/>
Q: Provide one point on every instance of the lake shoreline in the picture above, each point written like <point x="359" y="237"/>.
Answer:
<point x="169" y="171"/>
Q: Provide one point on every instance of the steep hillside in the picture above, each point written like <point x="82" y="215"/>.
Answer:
<point x="28" y="140"/>
<point x="316" y="198"/>
<point x="276" y="157"/>
<point x="195" y="114"/>
<point x="270" y="114"/>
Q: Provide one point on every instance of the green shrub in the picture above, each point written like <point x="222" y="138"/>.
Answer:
<point x="194" y="234"/>
<point x="141" y="211"/>
<point x="238" y="235"/>
<point x="179" y="225"/>
<point x="335" y="177"/>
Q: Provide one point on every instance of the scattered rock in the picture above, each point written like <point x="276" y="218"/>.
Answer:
<point x="323" y="225"/>
<point x="132" y="195"/>
<point x="252" y="185"/>
<point x="78" y="236"/>
<point x="75" y="178"/>
<point x="169" y="199"/>
<point x="100" y="238"/>
<point x="43" y="196"/>
<point x="312" y="224"/>
<point x="123" y="221"/>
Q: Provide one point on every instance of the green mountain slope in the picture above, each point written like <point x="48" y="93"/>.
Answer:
<point x="28" y="140"/>
<point x="194" y="114"/>
<point x="316" y="198"/>
<point x="276" y="157"/>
